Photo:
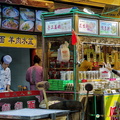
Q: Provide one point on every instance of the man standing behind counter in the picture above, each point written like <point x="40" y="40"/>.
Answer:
<point x="5" y="73"/>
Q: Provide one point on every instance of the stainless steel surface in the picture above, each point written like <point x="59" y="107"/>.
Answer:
<point x="30" y="114"/>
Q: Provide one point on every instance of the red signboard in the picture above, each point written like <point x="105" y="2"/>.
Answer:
<point x="20" y="99"/>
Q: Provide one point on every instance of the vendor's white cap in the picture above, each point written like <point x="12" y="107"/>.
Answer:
<point x="7" y="59"/>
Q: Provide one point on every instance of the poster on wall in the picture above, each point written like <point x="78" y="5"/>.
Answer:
<point x="58" y="26"/>
<point x="108" y="28"/>
<point x="27" y="19"/>
<point x="10" y="17"/>
<point x="88" y="26"/>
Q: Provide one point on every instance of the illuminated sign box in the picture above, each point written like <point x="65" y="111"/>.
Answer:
<point x="58" y="26"/>
<point x="88" y="26"/>
<point x="108" y="28"/>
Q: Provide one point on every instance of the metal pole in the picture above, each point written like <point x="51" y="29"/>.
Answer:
<point x="95" y="106"/>
<point x="74" y="72"/>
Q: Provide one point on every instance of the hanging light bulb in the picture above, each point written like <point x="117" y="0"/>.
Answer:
<point x="87" y="10"/>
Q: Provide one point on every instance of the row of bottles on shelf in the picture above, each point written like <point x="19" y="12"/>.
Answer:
<point x="88" y="75"/>
<point x="82" y="75"/>
<point x="102" y="85"/>
<point x="56" y="64"/>
<point x="63" y="75"/>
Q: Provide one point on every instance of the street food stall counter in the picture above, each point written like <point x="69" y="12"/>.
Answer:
<point x="19" y="99"/>
<point x="33" y="114"/>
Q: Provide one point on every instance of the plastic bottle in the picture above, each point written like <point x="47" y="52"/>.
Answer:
<point x="1" y="89"/>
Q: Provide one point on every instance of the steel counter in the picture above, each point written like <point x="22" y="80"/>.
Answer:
<point x="32" y="114"/>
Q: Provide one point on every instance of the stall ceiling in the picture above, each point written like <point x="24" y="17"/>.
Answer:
<point x="83" y="2"/>
<point x="50" y="3"/>
<point x="97" y="3"/>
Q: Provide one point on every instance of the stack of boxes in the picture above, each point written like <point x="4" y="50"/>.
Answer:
<point x="58" y="84"/>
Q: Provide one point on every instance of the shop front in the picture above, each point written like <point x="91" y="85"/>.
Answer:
<point x="20" y="37"/>
<point x="94" y="36"/>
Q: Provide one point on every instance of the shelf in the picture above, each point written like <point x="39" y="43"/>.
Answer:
<point x="52" y="56"/>
<point x="61" y="68"/>
<point x="92" y="35"/>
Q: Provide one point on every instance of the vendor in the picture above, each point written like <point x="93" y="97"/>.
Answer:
<point x="5" y="73"/>
<point x="85" y="65"/>
<point x="112" y="69"/>
<point x="34" y="73"/>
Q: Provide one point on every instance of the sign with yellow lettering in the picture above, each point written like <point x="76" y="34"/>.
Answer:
<point x="18" y="40"/>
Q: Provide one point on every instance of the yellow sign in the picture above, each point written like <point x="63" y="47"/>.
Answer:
<point x="111" y="11"/>
<point x="112" y="107"/>
<point x="18" y="40"/>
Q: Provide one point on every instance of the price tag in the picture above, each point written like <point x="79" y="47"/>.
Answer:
<point x="113" y="91"/>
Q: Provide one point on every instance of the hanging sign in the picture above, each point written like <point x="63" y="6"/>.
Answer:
<point x="58" y="26"/>
<point x="108" y="28"/>
<point x="89" y="26"/>
<point x="18" y="40"/>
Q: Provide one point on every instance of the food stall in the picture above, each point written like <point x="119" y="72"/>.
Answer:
<point x="20" y="37"/>
<point x="97" y="38"/>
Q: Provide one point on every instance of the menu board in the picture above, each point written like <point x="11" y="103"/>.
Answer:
<point x="21" y="18"/>
<point x="108" y="28"/>
<point x="10" y="17"/>
<point x="27" y="19"/>
<point x="89" y="26"/>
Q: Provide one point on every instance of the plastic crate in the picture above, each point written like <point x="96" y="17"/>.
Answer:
<point x="57" y="84"/>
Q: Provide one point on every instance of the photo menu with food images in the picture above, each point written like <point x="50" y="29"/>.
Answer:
<point x="21" y="18"/>
<point x="10" y="17"/>
<point x="27" y="19"/>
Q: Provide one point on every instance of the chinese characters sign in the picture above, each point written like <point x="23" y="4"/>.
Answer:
<point x="18" y="40"/>
<point x="108" y="28"/>
<point x="88" y="26"/>
<point x="112" y="107"/>
<point x="58" y="26"/>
